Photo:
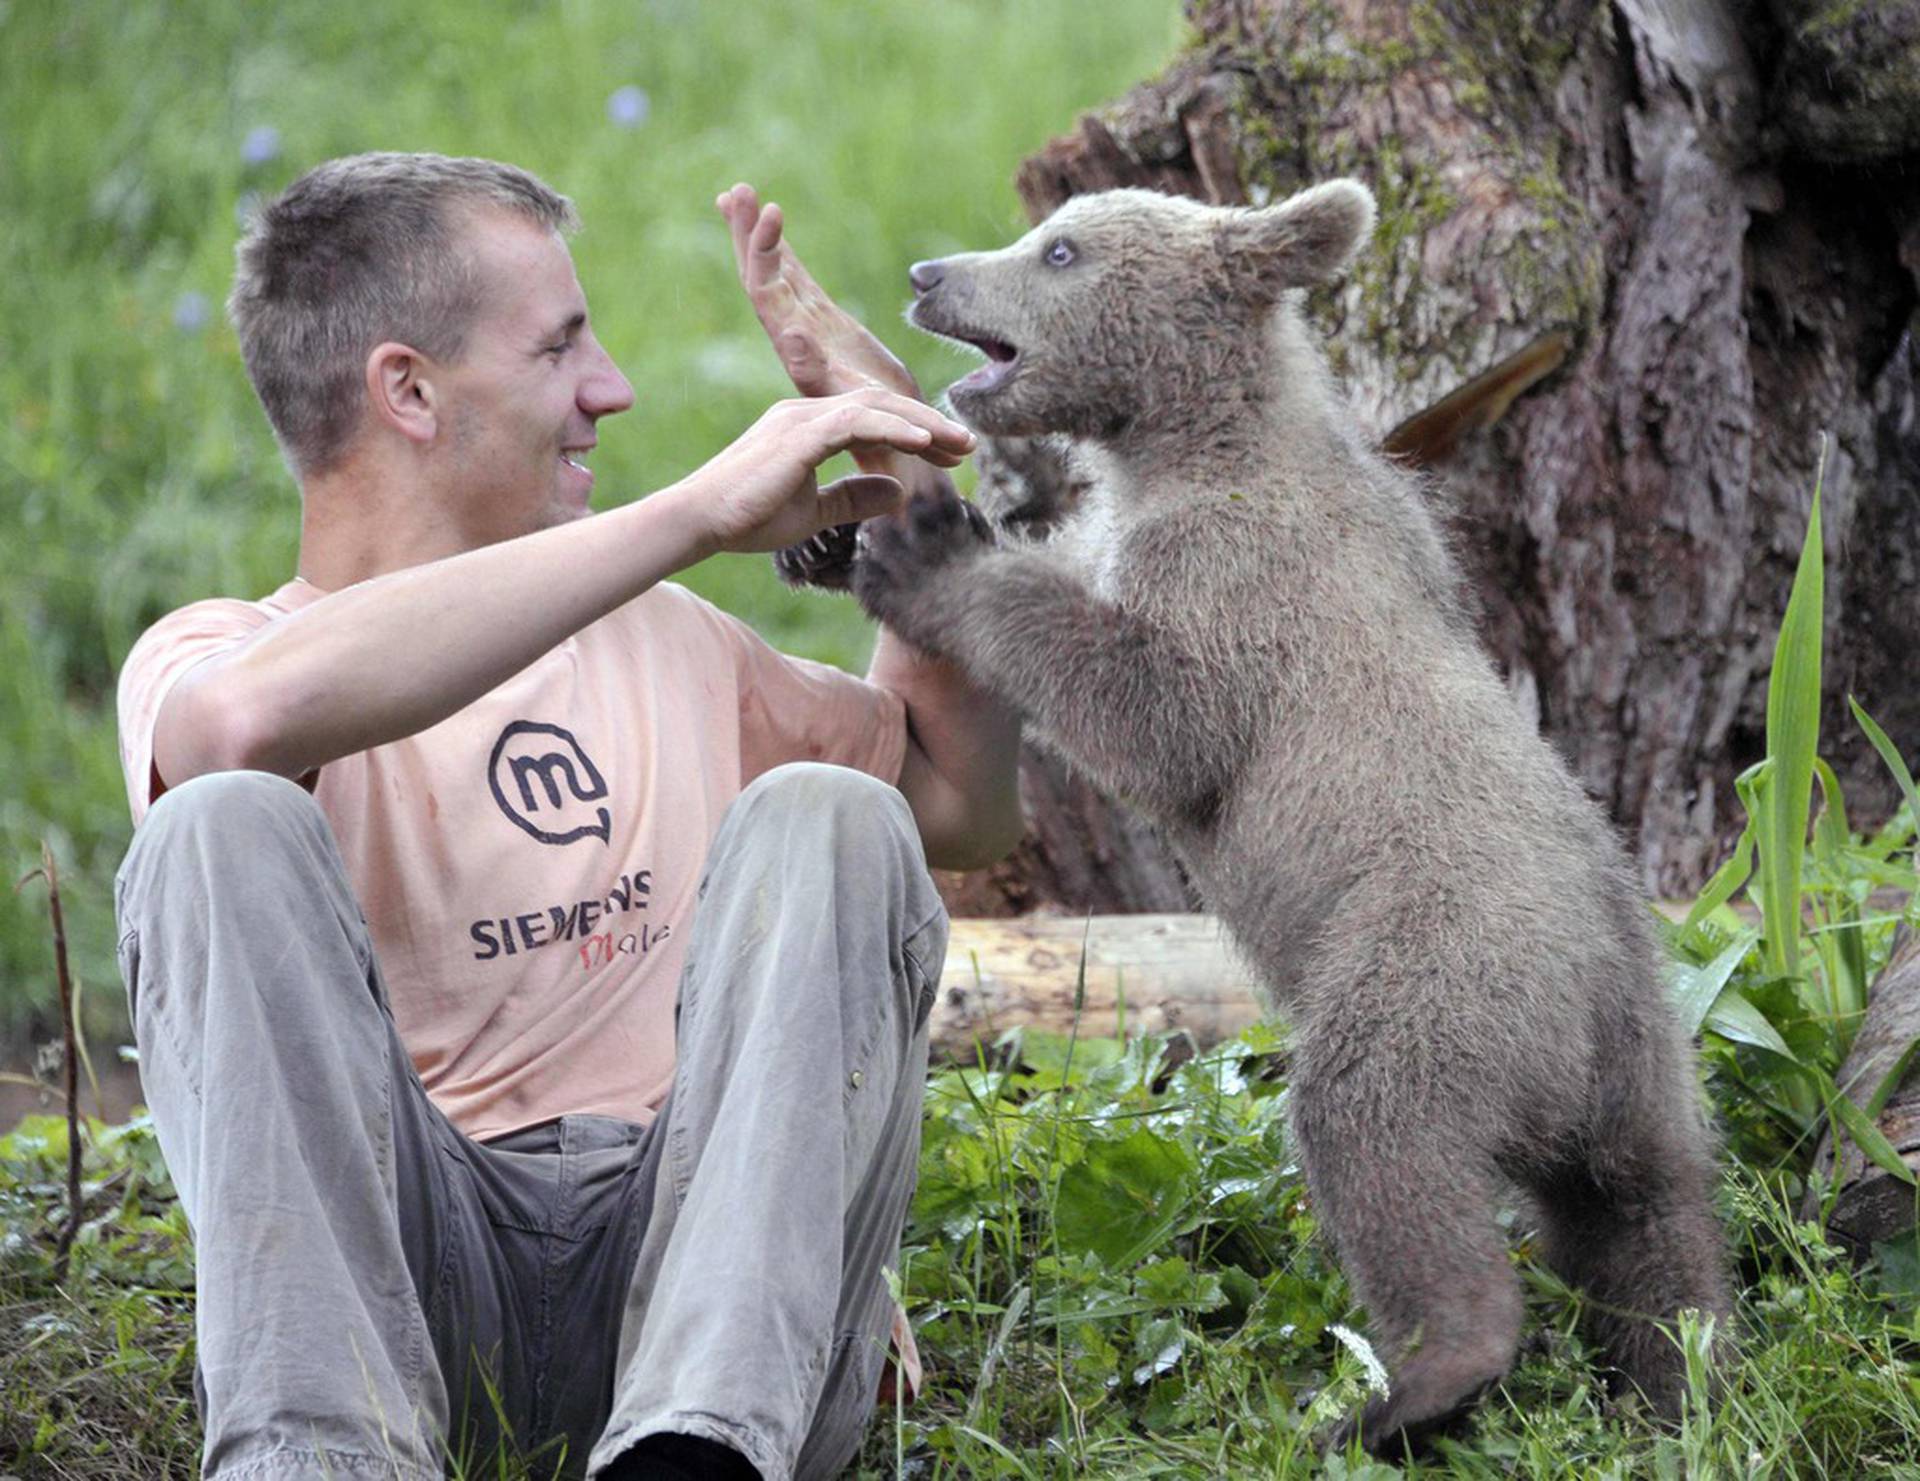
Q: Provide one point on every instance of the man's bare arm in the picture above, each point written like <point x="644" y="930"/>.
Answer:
<point x="961" y="771"/>
<point x="394" y="655"/>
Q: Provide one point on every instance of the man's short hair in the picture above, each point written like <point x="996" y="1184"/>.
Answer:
<point x="355" y="252"/>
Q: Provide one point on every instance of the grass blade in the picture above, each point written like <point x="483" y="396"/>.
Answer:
<point x="1889" y="753"/>
<point x="1890" y="1082"/>
<point x="1842" y="942"/>
<point x="1861" y="1128"/>
<point x="1793" y="736"/>
<point x="1728" y="878"/>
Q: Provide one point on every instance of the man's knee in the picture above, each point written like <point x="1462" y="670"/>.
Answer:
<point x="810" y="806"/>
<point x="830" y="840"/>
<point x="237" y="808"/>
<point x="815" y="789"/>
<point x="229" y="825"/>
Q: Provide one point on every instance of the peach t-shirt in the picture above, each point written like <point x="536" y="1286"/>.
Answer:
<point x="528" y="866"/>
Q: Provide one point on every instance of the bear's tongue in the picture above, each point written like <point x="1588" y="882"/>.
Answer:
<point x="1000" y="361"/>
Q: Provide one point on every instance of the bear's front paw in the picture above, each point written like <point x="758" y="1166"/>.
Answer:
<point x="900" y="556"/>
<point x="825" y="561"/>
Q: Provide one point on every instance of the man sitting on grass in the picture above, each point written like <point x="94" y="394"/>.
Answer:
<point x="534" y="1026"/>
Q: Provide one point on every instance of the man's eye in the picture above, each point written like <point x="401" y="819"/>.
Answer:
<point x="1060" y="253"/>
<point x="559" y="349"/>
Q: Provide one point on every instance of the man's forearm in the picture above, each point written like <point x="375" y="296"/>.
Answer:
<point x="396" y="654"/>
<point x="391" y="656"/>
<point x="961" y="774"/>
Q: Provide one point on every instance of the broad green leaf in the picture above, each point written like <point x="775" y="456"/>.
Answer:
<point x="1161" y="1344"/>
<point x="1695" y="989"/>
<point x="1733" y="1017"/>
<point x="1124" y="1197"/>
<point x="1793" y="736"/>
<point x="1049" y="1061"/>
<point x="1899" y="1262"/>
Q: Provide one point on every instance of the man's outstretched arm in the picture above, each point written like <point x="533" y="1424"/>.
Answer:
<point x="394" y="655"/>
<point x="961" y="770"/>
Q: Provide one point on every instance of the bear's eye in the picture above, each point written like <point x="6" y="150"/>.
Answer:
<point x="1060" y="253"/>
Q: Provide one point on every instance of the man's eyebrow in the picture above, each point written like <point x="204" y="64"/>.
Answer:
<point x="570" y="328"/>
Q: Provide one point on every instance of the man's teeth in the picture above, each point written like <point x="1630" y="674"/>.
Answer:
<point x="573" y="462"/>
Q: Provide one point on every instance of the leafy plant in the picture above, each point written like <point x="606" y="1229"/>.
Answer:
<point x="1780" y="998"/>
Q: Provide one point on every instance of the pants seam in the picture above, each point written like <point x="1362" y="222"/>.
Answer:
<point x="161" y="1028"/>
<point x="929" y="980"/>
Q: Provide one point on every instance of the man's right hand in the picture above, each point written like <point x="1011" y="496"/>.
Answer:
<point x="761" y="494"/>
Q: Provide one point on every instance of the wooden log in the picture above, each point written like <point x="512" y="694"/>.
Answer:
<point x="1144" y="974"/>
<point x="1148" y="973"/>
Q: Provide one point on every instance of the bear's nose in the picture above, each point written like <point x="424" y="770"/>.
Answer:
<point x="926" y="276"/>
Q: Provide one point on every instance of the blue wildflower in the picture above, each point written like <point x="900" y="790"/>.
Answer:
<point x="628" y="106"/>
<point x="190" y="312"/>
<point x="261" y="146"/>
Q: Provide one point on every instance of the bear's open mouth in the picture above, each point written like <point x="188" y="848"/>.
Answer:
<point x="1001" y="359"/>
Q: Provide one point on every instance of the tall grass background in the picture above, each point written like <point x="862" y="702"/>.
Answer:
<point x="136" y="470"/>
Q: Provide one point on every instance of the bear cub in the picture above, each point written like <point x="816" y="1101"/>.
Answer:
<point x="1251" y="629"/>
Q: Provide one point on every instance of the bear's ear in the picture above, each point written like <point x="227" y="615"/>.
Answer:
<point x="1306" y="239"/>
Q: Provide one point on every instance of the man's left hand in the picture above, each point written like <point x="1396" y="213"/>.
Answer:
<point x="824" y="349"/>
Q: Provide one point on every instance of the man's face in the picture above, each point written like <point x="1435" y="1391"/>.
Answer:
<point x="522" y="400"/>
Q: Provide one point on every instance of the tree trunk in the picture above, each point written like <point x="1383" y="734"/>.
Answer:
<point x="1708" y="212"/>
<point x="1872" y="1204"/>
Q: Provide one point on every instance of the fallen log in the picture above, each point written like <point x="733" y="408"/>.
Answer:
<point x="1142" y="974"/>
<point x="1146" y="973"/>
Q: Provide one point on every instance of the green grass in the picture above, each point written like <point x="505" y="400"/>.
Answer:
<point x="136" y="472"/>
<point x="1112" y="1270"/>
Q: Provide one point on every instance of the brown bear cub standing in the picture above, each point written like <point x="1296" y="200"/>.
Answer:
<point x="1252" y="632"/>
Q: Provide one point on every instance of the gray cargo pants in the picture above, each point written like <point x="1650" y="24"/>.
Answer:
<point x="379" y="1295"/>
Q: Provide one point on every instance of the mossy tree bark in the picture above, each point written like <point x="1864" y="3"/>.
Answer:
<point x="1713" y="209"/>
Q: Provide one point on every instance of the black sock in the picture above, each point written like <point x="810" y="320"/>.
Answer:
<point x="679" y="1458"/>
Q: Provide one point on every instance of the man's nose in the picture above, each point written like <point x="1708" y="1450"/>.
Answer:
<point x="607" y="391"/>
<point x="925" y="276"/>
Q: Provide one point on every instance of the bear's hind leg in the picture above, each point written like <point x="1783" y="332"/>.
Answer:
<point x="1415" y="1233"/>
<point x="1641" y="1259"/>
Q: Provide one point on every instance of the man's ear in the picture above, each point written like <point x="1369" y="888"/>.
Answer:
<point x="404" y="396"/>
<point x="1308" y="238"/>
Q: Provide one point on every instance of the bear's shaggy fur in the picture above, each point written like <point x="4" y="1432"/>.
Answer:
<point x="1252" y="630"/>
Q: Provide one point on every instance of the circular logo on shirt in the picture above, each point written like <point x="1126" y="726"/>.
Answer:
<point x="546" y="784"/>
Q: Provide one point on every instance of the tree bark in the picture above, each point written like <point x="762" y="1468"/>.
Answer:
<point x="1711" y="209"/>
<point x="1872" y="1204"/>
